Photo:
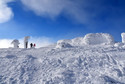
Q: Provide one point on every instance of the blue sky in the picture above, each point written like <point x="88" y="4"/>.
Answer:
<point x="61" y="19"/>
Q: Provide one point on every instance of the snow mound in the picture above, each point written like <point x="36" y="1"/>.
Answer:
<point x="78" y="41"/>
<point x="63" y="44"/>
<point x="123" y="37"/>
<point x="70" y="43"/>
<point x="98" y="38"/>
<point x="89" y="39"/>
<point x="119" y="44"/>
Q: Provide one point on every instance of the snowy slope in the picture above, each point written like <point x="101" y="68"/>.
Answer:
<point x="88" y="64"/>
<point x="76" y="65"/>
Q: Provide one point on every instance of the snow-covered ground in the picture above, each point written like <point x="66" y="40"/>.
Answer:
<point x="81" y="64"/>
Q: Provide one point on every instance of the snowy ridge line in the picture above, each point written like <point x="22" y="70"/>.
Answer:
<point x="93" y="63"/>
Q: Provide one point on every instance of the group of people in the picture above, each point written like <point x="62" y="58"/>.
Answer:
<point x="32" y="45"/>
<point x="26" y="43"/>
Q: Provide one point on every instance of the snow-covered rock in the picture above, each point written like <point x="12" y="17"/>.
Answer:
<point x="15" y="43"/>
<point x="123" y="37"/>
<point x="119" y="44"/>
<point x="63" y="44"/>
<point x="98" y="38"/>
<point x="79" y="41"/>
<point x="89" y="39"/>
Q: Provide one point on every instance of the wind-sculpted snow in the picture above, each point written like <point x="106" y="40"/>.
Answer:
<point x="75" y="65"/>
<point x="89" y="39"/>
<point x="98" y="38"/>
<point x="123" y="37"/>
<point x="64" y="44"/>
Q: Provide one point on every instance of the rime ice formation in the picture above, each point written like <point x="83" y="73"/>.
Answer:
<point x="63" y="44"/>
<point x="98" y="38"/>
<point x="26" y="41"/>
<point x="15" y="43"/>
<point x="123" y="37"/>
<point x="89" y="39"/>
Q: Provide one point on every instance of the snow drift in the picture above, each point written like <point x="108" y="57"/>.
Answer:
<point x="89" y="39"/>
<point x="63" y="44"/>
<point x="98" y="38"/>
<point x="119" y="44"/>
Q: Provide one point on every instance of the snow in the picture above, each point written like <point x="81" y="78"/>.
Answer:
<point x="26" y="41"/>
<point x="119" y="44"/>
<point x="26" y="38"/>
<point x="86" y="64"/>
<point x="98" y="38"/>
<point x="15" y="43"/>
<point x="89" y="39"/>
<point x="63" y="44"/>
<point x="79" y="41"/>
<point x="123" y="37"/>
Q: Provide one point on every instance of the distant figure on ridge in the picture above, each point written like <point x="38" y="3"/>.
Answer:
<point x="31" y="45"/>
<point x="15" y="43"/>
<point x="26" y="41"/>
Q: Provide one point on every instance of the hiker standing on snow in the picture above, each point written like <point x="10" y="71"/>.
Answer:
<point x="34" y="45"/>
<point x="31" y="45"/>
<point x="26" y="41"/>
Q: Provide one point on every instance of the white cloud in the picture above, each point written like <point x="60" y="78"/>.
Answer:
<point x="5" y="12"/>
<point x="53" y="8"/>
<point x="39" y="41"/>
<point x="5" y="43"/>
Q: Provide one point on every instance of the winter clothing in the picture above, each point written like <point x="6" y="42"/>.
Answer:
<point x="31" y="45"/>
<point x="34" y="45"/>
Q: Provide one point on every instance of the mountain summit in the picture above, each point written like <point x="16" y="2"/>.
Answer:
<point x="76" y="61"/>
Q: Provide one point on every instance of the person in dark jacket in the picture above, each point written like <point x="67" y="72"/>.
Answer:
<point x="31" y="45"/>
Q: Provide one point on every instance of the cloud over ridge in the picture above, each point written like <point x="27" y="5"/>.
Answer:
<point x="5" y="12"/>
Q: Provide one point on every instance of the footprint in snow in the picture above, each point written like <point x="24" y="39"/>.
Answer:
<point x="10" y="56"/>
